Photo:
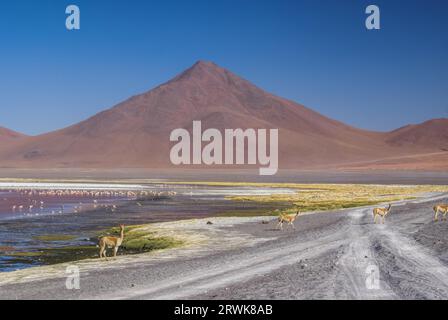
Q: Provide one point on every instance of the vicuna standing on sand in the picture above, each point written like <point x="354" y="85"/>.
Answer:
<point x="111" y="242"/>
<point x="442" y="208"/>
<point x="381" y="212"/>
<point x="289" y="219"/>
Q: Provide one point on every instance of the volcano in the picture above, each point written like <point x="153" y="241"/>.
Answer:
<point x="135" y="133"/>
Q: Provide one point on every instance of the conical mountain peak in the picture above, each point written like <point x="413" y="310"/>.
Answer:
<point x="207" y="71"/>
<point x="203" y="65"/>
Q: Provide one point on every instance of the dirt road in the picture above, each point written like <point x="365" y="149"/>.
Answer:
<point x="333" y="255"/>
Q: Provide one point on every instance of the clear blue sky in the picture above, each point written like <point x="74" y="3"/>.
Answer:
<point x="318" y="53"/>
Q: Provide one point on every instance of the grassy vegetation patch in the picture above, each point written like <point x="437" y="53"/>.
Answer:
<point x="69" y="253"/>
<point x="256" y="212"/>
<point x="25" y="254"/>
<point x="319" y="197"/>
<point x="138" y="240"/>
<point x="55" y="237"/>
<point x="146" y="243"/>
<point x="322" y="197"/>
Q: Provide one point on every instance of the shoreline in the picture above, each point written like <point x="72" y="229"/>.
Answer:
<point x="439" y="177"/>
<point x="197" y="237"/>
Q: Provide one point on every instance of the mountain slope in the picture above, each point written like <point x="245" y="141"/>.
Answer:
<point x="431" y="134"/>
<point x="135" y="133"/>
<point x="8" y="134"/>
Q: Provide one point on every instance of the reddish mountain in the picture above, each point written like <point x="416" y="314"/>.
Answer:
<point x="432" y="134"/>
<point x="135" y="133"/>
<point x="7" y="134"/>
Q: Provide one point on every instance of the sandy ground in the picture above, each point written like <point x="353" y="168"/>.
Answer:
<point x="333" y="255"/>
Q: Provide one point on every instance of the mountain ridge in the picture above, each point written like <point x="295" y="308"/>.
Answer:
<point x="6" y="133"/>
<point x="135" y="132"/>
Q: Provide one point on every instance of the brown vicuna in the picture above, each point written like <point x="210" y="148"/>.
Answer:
<point x="287" y="218"/>
<point x="111" y="242"/>
<point x="381" y="212"/>
<point x="442" y="208"/>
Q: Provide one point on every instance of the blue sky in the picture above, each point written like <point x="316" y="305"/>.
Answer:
<point x="317" y="53"/>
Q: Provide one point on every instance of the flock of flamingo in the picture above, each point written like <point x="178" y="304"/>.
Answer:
<point x="35" y="198"/>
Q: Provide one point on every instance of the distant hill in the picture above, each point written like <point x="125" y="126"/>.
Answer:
<point x="432" y="134"/>
<point x="7" y="134"/>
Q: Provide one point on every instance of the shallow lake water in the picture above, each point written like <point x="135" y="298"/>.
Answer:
<point x="76" y="221"/>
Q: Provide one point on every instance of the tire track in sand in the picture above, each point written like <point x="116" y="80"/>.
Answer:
<point x="413" y="271"/>
<point x="239" y="269"/>
<point x="406" y="269"/>
<point x="358" y="267"/>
